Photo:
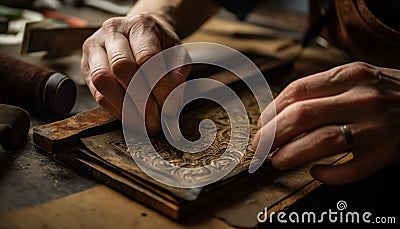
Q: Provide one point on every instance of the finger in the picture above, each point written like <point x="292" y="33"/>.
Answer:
<point x="120" y="57"/>
<point x="348" y="172"/>
<point x="373" y="149"/>
<point x="153" y="119"/>
<point x="310" y="87"/>
<point x="262" y="143"/>
<point x="177" y="56"/>
<point x="144" y="40"/>
<point x="144" y="49"/>
<point x="267" y="115"/>
<point x="143" y="101"/>
<point x="101" y="99"/>
<point x="320" y="143"/>
<point x="164" y="87"/>
<point x="85" y="68"/>
<point x="133" y="120"/>
<point x="329" y="140"/>
<point x="103" y="79"/>
<point x="145" y="43"/>
<point x="323" y="84"/>
<point x="305" y="116"/>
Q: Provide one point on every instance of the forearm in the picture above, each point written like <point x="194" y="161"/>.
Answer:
<point x="184" y="16"/>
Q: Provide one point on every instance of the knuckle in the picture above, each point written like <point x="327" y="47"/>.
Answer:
<point x="144" y="19"/>
<point x="99" y="77"/>
<point x="143" y="54"/>
<point x="145" y="26"/>
<point x="359" y="64"/>
<point x="117" y="59"/>
<point x="100" y="99"/>
<point x="144" y="51"/>
<point x="336" y="74"/>
<point x="112" y="24"/>
<point x="300" y="112"/>
<point x="121" y="65"/>
<point x="361" y="70"/>
<point x="357" y="72"/>
<point x="281" y="162"/>
<point x="89" y="43"/>
<point x="294" y="92"/>
<point x="143" y="23"/>
<point x="328" y="136"/>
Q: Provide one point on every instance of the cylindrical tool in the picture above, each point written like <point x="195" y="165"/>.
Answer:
<point x="37" y="89"/>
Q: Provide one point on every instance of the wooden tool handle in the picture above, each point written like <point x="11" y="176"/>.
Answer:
<point x="63" y="135"/>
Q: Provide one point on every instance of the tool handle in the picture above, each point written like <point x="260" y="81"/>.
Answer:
<point x="5" y="132"/>
<point x="14" y="126"/>
<point x="36" y="89"/>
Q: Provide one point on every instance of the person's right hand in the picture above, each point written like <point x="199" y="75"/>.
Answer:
<point x="113" y="54"/>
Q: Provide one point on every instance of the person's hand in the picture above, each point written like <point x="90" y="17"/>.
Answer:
<point x="363" y="97"/>
<point x="113" y="54"/>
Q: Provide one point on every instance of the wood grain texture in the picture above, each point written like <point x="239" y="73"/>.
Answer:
<point x="64" y="135"/>
<point x="98" y="207"/>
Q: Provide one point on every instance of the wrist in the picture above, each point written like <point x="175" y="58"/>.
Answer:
<point x="162" y="12"/>
<point x="164" y="20"/>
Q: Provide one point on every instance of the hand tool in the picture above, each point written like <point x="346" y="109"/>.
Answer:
<point x="37" y="89"/>
<point x="14" y="126"/>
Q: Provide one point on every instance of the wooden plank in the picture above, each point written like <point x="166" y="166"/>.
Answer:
<point x="64" y="135"/>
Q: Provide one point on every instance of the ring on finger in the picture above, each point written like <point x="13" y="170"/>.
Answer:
<point x="348" y="137"/>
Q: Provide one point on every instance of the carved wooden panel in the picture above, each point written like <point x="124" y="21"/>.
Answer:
<point x="108" y="145"/>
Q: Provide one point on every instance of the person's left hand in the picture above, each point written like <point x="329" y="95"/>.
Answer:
<point x="311" y="111"/>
